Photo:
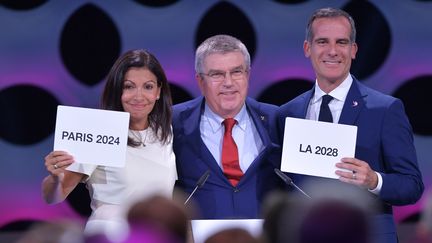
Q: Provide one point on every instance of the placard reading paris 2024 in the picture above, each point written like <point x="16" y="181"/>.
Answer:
<point x="313" y="147"/>
<point x="92" y="136"/>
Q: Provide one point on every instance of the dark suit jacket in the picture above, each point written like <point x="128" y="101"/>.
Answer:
<point x="384" y="140"/>
<point x="218" y="199"/>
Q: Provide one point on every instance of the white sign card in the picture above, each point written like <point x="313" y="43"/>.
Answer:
<point x="204" y="228"/>
<point x="313" y="147"/>
<point x="92" y="136"/>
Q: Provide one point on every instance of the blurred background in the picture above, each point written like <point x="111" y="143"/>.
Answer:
<point x="58" y="52"/>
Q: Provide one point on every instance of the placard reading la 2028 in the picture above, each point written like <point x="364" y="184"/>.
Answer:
<point x="88" y="137"/>
<point x="320" y="150"/>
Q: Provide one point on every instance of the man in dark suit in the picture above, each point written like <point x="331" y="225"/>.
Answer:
<point x="385" y="163"/>
<point x="241" y="177"/>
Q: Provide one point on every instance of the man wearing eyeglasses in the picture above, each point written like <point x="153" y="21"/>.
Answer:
<point x="227" y="133"/>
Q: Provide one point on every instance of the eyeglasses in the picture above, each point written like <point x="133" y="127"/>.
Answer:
<point x="219" y="76"/>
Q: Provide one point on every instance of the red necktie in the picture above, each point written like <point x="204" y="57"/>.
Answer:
<point x="230" y="158"/>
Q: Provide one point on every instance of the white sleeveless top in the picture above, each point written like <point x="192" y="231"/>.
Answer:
<point x="148" y="170"/>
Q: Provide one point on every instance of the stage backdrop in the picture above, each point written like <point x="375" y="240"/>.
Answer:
<point x="59" y="52"/>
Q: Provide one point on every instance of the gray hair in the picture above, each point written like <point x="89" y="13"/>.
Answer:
<point x="220" y="44"/>
<point x="330" y="13"/>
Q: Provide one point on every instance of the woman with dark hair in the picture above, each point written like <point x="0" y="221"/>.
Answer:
<point x="136" y="84"/>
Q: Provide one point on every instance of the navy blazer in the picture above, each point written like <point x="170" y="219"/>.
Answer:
<point x="384" y="141"/>
<point x="218" y="199"/>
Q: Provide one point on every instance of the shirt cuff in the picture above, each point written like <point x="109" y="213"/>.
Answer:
<point x="377" y="189"/>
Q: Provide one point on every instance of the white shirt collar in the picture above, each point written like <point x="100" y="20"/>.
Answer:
<point x="339" y="93"/>
<point x="215" y="121"/>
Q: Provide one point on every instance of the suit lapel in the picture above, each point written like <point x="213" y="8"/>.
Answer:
<point x="261" y="122"/>
<point x="354" y="103"/>
<point x="304" y="104"/>
<point x="191" y="118"/>
<point x="259" y="119"/>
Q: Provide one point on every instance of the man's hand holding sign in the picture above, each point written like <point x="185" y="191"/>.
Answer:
<point x="359" y="173"/>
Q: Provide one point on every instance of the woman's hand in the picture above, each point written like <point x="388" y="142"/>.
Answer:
<point x="57" y="186"/>
<point x="57" y="161"/>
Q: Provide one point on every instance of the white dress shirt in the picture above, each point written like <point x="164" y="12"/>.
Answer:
<point x="245" y="135"/>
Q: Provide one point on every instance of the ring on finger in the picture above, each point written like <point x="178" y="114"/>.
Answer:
<point x="354" y="176"/>
<point x="55" y="166"/>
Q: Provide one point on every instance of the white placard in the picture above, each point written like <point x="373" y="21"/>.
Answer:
<point x="92" y="136"/>
<point x="202" y="229"/>
<point x="313" y="148"/>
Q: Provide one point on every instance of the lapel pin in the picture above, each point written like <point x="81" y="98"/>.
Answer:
<point x="262" y="118"/>
<point x="355" y="103"/>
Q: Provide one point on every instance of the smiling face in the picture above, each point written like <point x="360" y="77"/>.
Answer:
<point x="224" y="96"/>
<point x="140" y="93"/>
<point x="331" y="51"/>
